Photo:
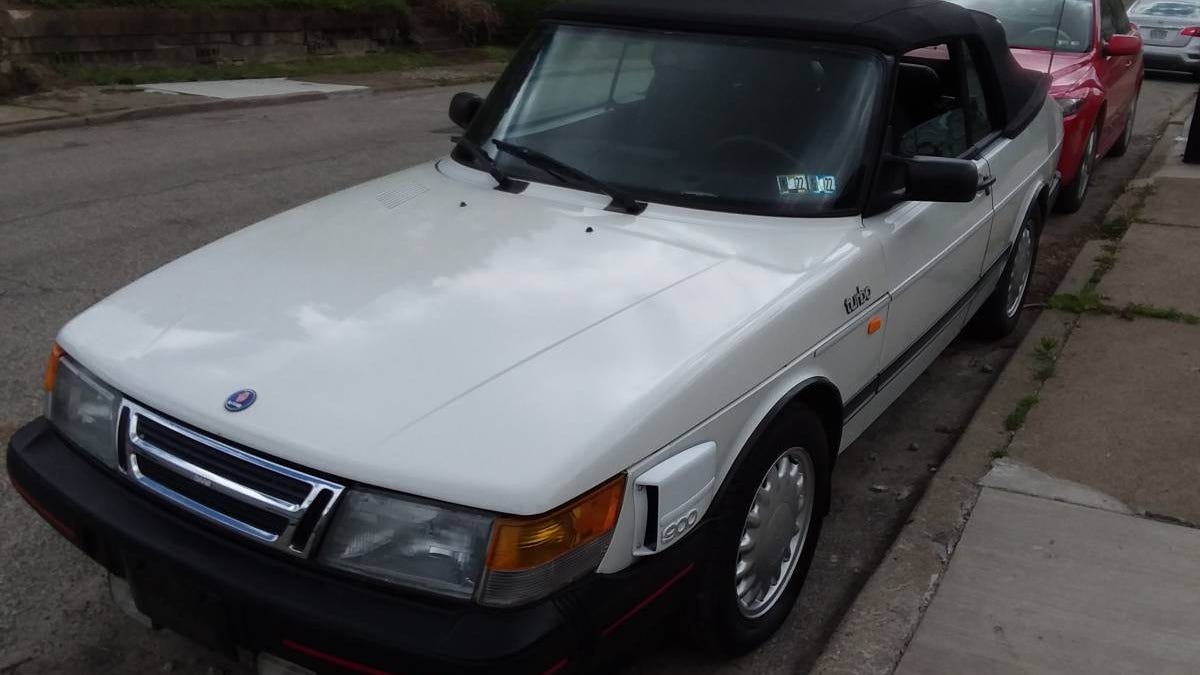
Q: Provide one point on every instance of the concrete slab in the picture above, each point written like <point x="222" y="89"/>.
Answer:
<point x="1156" y="266"/>
<point x="12" y="114"/>
<point x="1039" y="587"/>
<point x="878" y="626"/>
<point x="1119" y="415"/>
<point x="1174" y="201"/>
<point x="252" y="88"/>
<point x="1014" y="476"/>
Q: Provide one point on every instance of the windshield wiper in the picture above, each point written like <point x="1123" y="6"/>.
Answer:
<point x="505" y="182"/>
<point x="621" y="200"/>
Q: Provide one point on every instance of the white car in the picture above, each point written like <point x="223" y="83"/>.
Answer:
<point x="498" y="412"/>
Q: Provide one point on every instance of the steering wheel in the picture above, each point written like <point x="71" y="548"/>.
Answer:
<point x="773" y="148"/>
<point x="1060" y="35"/>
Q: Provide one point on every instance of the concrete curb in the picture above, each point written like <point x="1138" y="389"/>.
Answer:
<point x="877" y="627"/>
<point x="157" y="111"/>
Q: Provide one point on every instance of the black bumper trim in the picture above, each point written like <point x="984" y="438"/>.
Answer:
<point x="275" y="602"/>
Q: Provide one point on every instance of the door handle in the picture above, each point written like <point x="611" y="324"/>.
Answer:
<point x="985" y="185"/>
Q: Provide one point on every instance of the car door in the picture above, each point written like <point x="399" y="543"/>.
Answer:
<point x="934" y="252"/>
<point x="1119" y="74"/>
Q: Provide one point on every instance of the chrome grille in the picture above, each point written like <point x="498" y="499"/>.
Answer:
<point x="262" y="500"/>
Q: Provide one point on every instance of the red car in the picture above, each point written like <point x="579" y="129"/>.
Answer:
<point x="1097" y="75"/>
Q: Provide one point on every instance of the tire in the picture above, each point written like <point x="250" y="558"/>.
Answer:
<point x="1122" y="145"/>
<point x="718" y="619"/>
<point x="999" y="316"/>
<point x="1073" y="195"/>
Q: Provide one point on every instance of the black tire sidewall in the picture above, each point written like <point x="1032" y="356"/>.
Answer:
<point x="1070" y="200"/>
<point x="717" y="621"/>
<point x="993" y="320"/>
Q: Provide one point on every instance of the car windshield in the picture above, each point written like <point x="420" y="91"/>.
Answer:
<point x="720" y="123"/>
<point x="1169" y="10"/>
<point x="1034" y="24"/>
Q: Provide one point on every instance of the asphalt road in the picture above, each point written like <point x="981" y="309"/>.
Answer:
<point x="85" y="211"/>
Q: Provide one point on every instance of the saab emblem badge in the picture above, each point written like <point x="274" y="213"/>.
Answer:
<point x="240" y="400"/>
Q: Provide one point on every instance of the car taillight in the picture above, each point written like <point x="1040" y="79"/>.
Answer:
<point x="1191" y="31"/>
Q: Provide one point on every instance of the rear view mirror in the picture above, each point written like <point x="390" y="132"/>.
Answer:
<point x="463" y="108"/>
<point x="926" y="179"/>
<point x="939" y="179"/>
<point x="1123" y="45"/>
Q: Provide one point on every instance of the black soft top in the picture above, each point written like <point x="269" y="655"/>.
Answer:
<point x="891" y="26"/>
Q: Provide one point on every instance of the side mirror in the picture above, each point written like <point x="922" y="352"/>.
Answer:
<point x="464" y="107"/>
<point x="1123" y="45"/>
<point x="926" y="179"/>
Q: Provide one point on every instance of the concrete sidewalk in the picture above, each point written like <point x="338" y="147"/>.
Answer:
<point x="1077" y="551"/>
<point x="81" y="106"/>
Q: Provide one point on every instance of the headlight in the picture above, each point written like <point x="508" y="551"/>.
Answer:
<point x="498" y="561"/>
<point x="82" y="408"/>
<point x="408" y="543"/>
<point x="1069" y="106"/>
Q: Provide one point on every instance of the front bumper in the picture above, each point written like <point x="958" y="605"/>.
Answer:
<point x="252" y="600"/>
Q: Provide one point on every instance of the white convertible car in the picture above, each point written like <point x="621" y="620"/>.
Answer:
<point x="498" y="412"/>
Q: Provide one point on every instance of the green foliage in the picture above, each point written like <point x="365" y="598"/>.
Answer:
<point x="520" y="16"/>
<point x="107" y="75"/>
<point x="1155" y="312"/>
<point x="347" y="5"/>
<point x="1045" y="359"/>
<point x="1077" y="303"/>
<point x="1016" y="419"/>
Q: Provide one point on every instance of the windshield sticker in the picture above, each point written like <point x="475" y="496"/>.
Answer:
<point x="807" y="184"/>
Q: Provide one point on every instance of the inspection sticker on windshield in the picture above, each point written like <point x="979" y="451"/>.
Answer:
<point x="807" y="184"/>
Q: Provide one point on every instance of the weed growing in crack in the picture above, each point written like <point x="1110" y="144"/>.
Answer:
<point x="1045" y="359"/>
<point x="1016" y="418"/>
<point x="1115" y="227"/>
<point x="1171" y="314"/>
<point x="1104" y="264"/>
<point x="1077" y="303"/>
<point x="1087" y="302"/>
<point x="999" y="453"/>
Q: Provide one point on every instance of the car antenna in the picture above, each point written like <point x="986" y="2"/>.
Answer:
<point x="1062" y="10"/>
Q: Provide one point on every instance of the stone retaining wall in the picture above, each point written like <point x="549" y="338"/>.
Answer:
<point x="120" y="35"/>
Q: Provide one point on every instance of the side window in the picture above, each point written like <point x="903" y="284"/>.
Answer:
<point x="980" y="120"/>
<point x="556" y="94"/>
<point x="941" y="107"/>
<point x="1120" y="16"/>
<point x="1108" y="19"/>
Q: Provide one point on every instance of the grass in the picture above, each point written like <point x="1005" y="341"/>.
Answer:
<point x="347" y="5"/>
<point x="1087" y="302"/>
<point x="107" y="75"/>
<point x="1104" y="264"/>
<point x="1115" y="228"/>
<point x="1082" y="302"/>
<point x="1045" y="359"/>
<point x="1016" y="418"/>
<point x="1154" y="312"/>
<point x="498" y="53"/>
<point x="999" y="453"/>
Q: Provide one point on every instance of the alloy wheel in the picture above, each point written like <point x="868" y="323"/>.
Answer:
<point x="1022" y="269"/>
<point x="1085" y="167"/>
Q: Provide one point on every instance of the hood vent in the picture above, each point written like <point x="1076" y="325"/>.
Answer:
<point x="401" y="195"/>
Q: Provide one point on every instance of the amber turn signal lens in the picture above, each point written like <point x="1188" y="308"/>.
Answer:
<point x="56" y="353"/>
<point x="874" y="325"/>
<point x="522" y="543"/>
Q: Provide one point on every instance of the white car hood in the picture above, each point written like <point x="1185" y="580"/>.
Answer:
<point x="383" y="329"/>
